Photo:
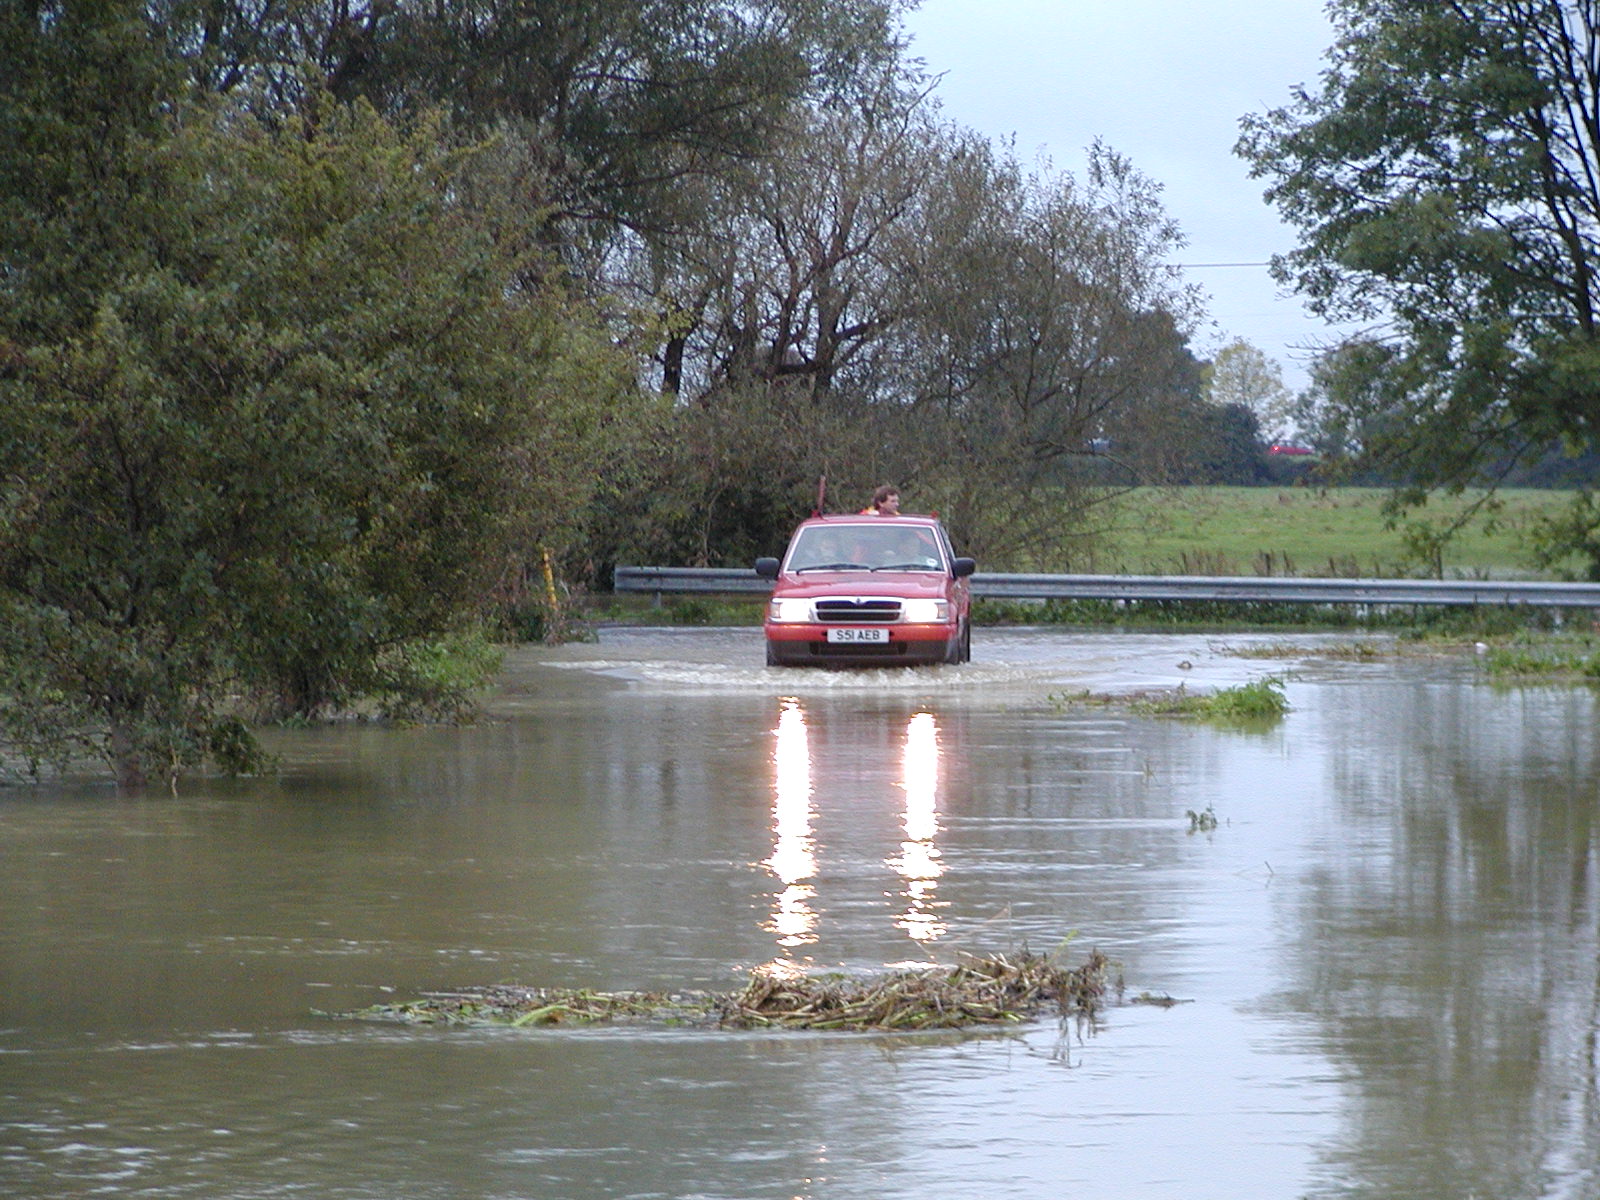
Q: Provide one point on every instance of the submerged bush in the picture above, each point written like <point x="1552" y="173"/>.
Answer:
<point x="1572" y="659"/>
<point x="1259" y="700"/>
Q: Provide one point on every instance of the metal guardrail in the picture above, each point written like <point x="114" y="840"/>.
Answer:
<point x="720" y="581"/>
<point x="1289" y="590"/>
<point x="737" y="581"/>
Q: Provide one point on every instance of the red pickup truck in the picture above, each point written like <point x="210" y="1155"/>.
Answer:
<point x="868" y="591"/>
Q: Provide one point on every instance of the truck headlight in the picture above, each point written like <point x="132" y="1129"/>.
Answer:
<point x="788" y="610"/>
<point x="926" y="612"/>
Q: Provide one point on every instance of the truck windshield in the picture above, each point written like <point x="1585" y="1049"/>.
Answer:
<point x="865" y="547"/>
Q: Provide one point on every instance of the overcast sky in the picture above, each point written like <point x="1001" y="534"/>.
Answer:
<point x="1164" y="82"/>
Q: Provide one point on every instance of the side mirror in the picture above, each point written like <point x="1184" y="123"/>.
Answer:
<point x="767" y="568"/>
<point x="962" y="567"/>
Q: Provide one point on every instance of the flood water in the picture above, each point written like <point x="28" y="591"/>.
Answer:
<point x="1388" y="949"/>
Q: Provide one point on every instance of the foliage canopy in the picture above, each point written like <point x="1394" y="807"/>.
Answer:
<point x="1445" y="179"/>
<point x="273" y="435"/>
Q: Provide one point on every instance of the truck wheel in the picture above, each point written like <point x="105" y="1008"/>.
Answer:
<point x="952" y="653"/>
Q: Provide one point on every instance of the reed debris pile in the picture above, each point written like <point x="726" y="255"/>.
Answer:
<point x="977" y="991"/>
<point x="993" y="989"/>
<point x="516" y="1006"/>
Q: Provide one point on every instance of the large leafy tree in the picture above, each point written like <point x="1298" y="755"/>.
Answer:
<point x="285" y="425"/>
<point x="1047" y="323"/>
<point x="1445" y="179"/>
<point x="613" y="104"/>
<point x="1242" y="375"/>
<point x="887" y="297"/>
<point x="775" y="315"/>
<point x="800" y="271"/>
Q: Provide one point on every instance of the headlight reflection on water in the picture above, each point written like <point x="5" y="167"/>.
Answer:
<point x="793" y="861"/>
<point x="918" y="865"/>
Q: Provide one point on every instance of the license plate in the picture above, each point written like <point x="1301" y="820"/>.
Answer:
<point x="856" y="637"/>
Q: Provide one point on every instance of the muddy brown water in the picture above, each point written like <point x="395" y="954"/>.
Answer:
<point x="1388" y="949"/>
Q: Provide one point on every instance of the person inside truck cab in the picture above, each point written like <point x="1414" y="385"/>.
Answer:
<point x="821" y="550"/>
<point x="909" y="547"/>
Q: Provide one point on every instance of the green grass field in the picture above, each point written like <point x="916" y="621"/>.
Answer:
<point x="1308" y="532"/>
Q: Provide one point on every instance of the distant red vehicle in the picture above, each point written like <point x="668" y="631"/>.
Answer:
<point x="868" y="591"/>
<point x="1286" y="448"/>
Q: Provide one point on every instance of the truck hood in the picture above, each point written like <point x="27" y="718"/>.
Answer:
<point x="903" y="585"/>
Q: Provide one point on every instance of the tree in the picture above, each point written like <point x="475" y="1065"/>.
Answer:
<point x="619" y="102"/>
<point x="286" y="438"/>
<point x="1242" y="375"/>
<point x="794" y="272"/>
<point x="886" y="297"/>
<point x="1046" y="321"/>
<point x="1445" y="179"/>
<point x="81" y="96"/>
<point x="1221" y="444"/>
<point x="774" y="315"/>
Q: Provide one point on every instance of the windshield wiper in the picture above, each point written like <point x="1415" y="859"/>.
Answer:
<point x="908" y="566"/>
<point x="838" y="566"/>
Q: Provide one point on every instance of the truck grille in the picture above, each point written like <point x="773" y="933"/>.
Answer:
<point x="858" y="652"/>
<point x="852" y="612"/>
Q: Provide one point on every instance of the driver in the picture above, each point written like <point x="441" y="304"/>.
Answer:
<point x="824" y="548"/>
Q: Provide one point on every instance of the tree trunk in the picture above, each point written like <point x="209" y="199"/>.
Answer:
<point x="126" y="761"/>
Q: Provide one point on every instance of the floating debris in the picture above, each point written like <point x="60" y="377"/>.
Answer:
<point x="988" y="990"/>
<point x="1157" y="1000"/>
